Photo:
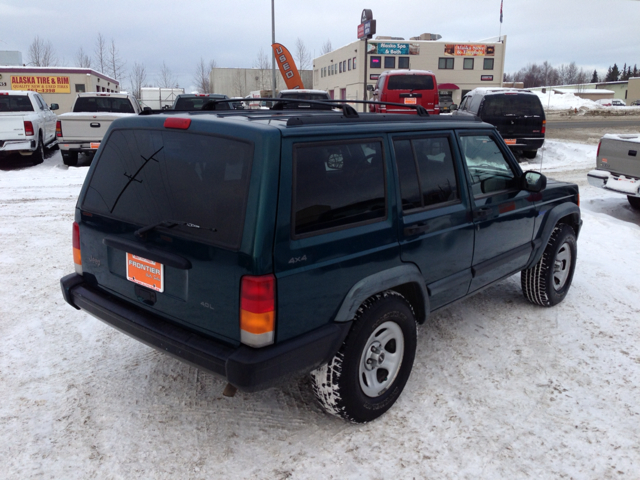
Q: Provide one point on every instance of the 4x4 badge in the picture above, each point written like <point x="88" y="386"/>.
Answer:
<point x="298" y="259"/>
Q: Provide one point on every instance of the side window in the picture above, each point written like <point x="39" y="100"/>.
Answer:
<point x="337" y="185"/>
<point x="426" y="172"/>
<point x="463" y="104"/>
<point x="473" y="104"/>
<point x="41" y="102"/>
<point x="489" y="170"/>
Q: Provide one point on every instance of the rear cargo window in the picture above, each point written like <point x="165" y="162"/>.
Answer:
<point x="410" y="82"/>
<point x="337" y="185"/>
<point x="148" y="176"/>
<point x="15" y="103"/>
<point x="196" y="103"/>
<point x="500" y="105"/>
<point x="103" y="104"/>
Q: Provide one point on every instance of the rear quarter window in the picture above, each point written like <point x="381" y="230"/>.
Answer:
<point x="149" y="176"/>
<point x="337" y="185"/>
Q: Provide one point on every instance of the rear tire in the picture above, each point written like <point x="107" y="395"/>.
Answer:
<point x="548" y="282"/>
<point x="367" y="375"/>
<point x="37" y="157"/>
<point x="530" y="154"/>
<point x="634" y="202"/>
<point x="70" y="158"/>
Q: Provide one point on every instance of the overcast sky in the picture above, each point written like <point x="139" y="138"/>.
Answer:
<point x="593" y="33"/>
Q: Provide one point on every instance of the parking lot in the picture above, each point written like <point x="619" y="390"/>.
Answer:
<point x="500" y="388"/>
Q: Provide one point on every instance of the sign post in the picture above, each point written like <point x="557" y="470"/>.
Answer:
<point x="366" y="30"/>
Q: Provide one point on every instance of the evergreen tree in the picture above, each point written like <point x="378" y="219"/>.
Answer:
<point x="613" y="74"/>
<point x="594" y="77"/>
<point x="635" y="71"/>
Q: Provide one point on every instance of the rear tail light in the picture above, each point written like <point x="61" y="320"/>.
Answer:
<point x="58" y="128"/>
<point x="544" y="126"/>
<point x="28" y="128"/>
<point x="77" y="258"/>
<point x="257" y="310"/>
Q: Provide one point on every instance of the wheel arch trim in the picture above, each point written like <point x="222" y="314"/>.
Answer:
<point x="569" y="211"/>
<point x="405" y="276"/>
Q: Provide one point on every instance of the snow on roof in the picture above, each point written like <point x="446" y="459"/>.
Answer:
<point x="624" y="137"/>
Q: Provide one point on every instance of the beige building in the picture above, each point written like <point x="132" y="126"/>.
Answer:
<point x="633" y="92"/>
<point x="238" y="82"/>
<point x="459" y="66"/>
<point x="56" y="84"/>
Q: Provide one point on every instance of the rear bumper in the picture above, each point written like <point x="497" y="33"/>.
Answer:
<point x="80" y="147"/>
<point x="17" y="146"/>
<point x="249" y="369"/>
<point x="531" y="143"/>
<point x="616" y="183"/>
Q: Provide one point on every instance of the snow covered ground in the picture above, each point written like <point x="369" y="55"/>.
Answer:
<point x="500" y="388"/>
<point x="568" y="101"/>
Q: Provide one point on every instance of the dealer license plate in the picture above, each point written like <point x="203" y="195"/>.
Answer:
<point x="510" y="141"/>
<point x="95" y="145"/>
<point x="145" y="272"/>
<point x="411" y="101"/>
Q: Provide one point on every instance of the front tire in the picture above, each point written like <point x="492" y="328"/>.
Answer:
<point x="634" y="202"/>
<point x="548" y="282"/>
<point x="367" y="375"/>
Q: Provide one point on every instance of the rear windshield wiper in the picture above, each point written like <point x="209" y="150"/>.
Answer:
<point x="142" y="232"/>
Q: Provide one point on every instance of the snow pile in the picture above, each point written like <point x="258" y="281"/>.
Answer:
<point x="500" y="388"/>
<point x="566" y="101"/>
<point x="555" y="156"/>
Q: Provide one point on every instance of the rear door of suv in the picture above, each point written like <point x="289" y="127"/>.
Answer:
<point x="409" y="88"/>
<point x="519" y="117"/>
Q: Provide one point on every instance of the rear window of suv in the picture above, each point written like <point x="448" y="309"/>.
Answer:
<point x="410" y="82"/>
<point x="511" y="104"/>
<point x="146" y="177"/>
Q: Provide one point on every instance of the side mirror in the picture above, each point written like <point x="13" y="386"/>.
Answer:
<point x="533" y="181"/>
<point x="54" y="106"/>
<point x="148" y="109"/>
<point x="370" y="88"/>
<point x="453" y="107"/>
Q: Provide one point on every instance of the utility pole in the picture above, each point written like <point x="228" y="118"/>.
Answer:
<point x="273" y="55"/>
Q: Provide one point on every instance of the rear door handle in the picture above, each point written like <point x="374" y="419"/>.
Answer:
<point x="482" y="213"/>
<point x="416" y="229"/>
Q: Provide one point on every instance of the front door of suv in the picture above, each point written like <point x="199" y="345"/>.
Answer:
<point x="436" y="230"/>
<point x="503" y="213"/>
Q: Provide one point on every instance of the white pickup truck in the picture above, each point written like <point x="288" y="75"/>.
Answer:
<point x="82" y="129"/>
<point x="27" y="124"/>
<point x="618" y="166"/>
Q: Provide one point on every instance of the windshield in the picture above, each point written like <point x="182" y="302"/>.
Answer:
<point x="410" y="82"/>
<point x="147" y="177"/>
<point x="15" y="103"/>
<point x="103" y="104"/>
<point x="511" y="104"/>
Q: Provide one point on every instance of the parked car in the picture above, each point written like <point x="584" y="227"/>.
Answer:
<point x="635" y="103"/>
<point x="409" y="87"/>
<point x="611" y="102"/>
<point x="82" y="129"/>
<point x="27" y="124"/>
<point x="303" y="94"/>
<point x="618" y="166"/>
<point x="261" y="245"/>
<point x="195" y="101"/>
<point x="517" y="114"/>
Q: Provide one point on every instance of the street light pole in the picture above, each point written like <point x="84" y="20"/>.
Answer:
<point x="273" y="57"/>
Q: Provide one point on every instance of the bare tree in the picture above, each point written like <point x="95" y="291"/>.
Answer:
<point x="202" y="77"/>
<point x="101" y="53"/>
<point x="82" y="59"/>
<point x="239" y="83"/>
<point x="326" y="47"/>
<point x="138" y="77"/>
<point x="166" y="78"/>
<point x="263" y="64"/>
<point x="41" y="53"/>
<point x="303" y="57"/>
<point x="116" y="65"/>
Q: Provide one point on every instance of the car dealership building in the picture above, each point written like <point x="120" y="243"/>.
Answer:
<point x="459" y="66"/>
<point x="56" y="84"/>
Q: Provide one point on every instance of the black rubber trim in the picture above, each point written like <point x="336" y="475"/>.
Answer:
<point x="249" y="369"/>
<point x="149" y="252"/>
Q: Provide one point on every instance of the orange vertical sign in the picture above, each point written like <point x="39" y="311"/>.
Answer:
<point x="287" y="66"/>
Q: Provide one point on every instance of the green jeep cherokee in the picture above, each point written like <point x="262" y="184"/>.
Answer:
<point x="259" y="245"/>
